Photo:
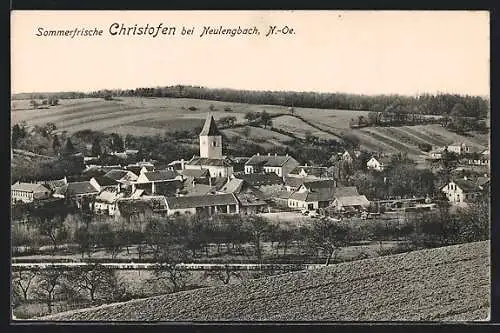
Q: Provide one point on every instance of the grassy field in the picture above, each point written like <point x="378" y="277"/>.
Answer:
<point x="450" y="283"/>
<point x="152" y="116"/>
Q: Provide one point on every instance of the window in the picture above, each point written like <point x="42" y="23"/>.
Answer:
<point x="214" y="143"/>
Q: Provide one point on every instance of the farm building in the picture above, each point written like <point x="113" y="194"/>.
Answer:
<point x="28" y="192"/>
<point x="251" y="200"/>
<point x="105" y="201"/>
<point x="211" y="157"/>
<point x="176" y="165"/>
<point x="53" y="184"/>
<point x="151" y="181"/>
<point x="267" y="183"/>
<point x="124" y="177"/>
<point x="310" y="172"/>
<point x="238" y="163"/>
<point x="199" y="176"/>
<point x="102" y="182"/>
<point x="350" y="203"/>
<point x="465" y="189"/>
<point x="278" y="164"/>
<point x="137" y="169"/>
<point x="205" y="204"/>
<point x="77" y="192"/>
<point x="313" y="195"/>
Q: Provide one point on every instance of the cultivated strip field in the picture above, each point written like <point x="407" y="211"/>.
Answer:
<point x="443" y="284"/>
<point x="152" y="116"/>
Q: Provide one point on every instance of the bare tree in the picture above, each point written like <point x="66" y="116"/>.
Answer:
<point x="328" y="236"/>
<point x="95" y="280"/>
<point x="257" y="227"/>
<point x="49" y="284"/>
<point x="174" y="276"/>
<point x="223" y="275"/>
<point x="22" y="279"/>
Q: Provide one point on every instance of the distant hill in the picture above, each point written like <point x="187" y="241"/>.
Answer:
<point x="443" y="284"/>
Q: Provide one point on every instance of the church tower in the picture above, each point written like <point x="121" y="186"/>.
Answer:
<point x="210" y="139"/>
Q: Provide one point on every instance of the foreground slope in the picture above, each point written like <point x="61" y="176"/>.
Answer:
<point x="450" y="283"/>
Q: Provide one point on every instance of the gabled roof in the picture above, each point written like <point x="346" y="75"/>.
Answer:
<point x="53" y="184"/>
<point x="160" y="175"/>
<point x="105" y="181"/>
<point x="260" y="179"/>
<point x="76" y="188"/>
<point x="210" y="128"/>
<point x="197" y="190"/>
<point x="318" y="194"/>
<point x="195" y="173"/>
<point x="169" y="188"/>
<point x="109" y="196"/>
<point x="201" y="201"/>
<point x="357" y="200"/>
<point x="317" y="184"/>
<point x="250" y="199"/>
<point x="116" y="174"/>
<point x="311" y="171"/>
<point x="268" y="160"/>
<point x="233" y="186"/>
<point x="294" y="181"/>
<point x="203" y="161"/>
<point x="467" y="185"/>
<point x="29" y="187"/>
<point x="346" y="191"/>
<point x="239" y="159"/>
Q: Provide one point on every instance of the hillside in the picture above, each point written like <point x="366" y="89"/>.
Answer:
<point x="152" y="116"/>
<point x="443" y="284"/>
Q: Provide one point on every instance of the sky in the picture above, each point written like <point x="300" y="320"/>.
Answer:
<point x="361" y="52"/>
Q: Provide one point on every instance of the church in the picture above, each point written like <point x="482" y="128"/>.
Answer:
<point x="211" y="157"/>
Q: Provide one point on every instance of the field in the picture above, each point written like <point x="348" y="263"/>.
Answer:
<point x="450" y="283"/>
<point x="152" y="116"/>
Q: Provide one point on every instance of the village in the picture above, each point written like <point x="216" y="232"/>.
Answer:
<point x="213" y="183"/>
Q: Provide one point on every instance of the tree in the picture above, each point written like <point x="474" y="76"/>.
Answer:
<point x="257" y="227"/>
<point x="55" y="143"/>
<point x="18" y="133"/>
<point x="22" y="279"/>
<point x="97" y="280"/>
<point x="109" y="240"/>
<point x="327" y="236"/>
<point x="174" y="276"/>
<point x="50" y="128"/>
<point x="116" y="143"/>
<point x="34" y="104"/>
<point x="83" y="239"/>
<point x="52" y="227"/>
<point x="265" y="119"/>
<point x="251" y="116"/>
<point x="374" y="118"/>
<point x="96" y="147"/>
<point x="223" y="275"/>
<point x="49" y="285"/>
<point x="69" y="148"/>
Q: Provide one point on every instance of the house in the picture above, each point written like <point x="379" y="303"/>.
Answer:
<point x="313" y="195"/>
<point x="205" y="204"/>
<point x="105" y="201"/>
<point x="199" y="176"/>
<point x="53" y="184"/>
<point x="78" y="192"/>
<point x="251" y="200"/>
<point x="211" y="157"/>
<point x="267" y="183"/>
<point x="152" y="180"/>
<point x="238" y="163"/>
<point x="378" y="163"/>
<point x="350" y="203"/>
<point x="102" y="182"/>
<point x="28" y="192"/>
<point x="459" y="148"/>
<point x="437" y="153"/>
<point x="278" y="164"/>
<point x="176" y="165"/>
<point x="464" y="189"/>
<point x="124" y="177"/>
<point x="349" y="155"/>
<point x="310" y="172"/>
<point x="137" y="169"/>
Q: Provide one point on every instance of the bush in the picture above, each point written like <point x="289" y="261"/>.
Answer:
<point x="192" y="108"/>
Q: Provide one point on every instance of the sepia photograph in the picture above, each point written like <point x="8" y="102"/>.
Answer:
<point x="263" y="166"/>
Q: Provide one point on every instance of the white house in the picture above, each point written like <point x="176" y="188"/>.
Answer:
<point x="208" y="204"/>
<point x="377" y="164"/>
<point x="313" y="195"/>
<point x="278" y="164"/>
<point x="105" y="201"/>
<point x="461" y="190"/>
<point x="28" y="192"/>
<point x="459" y="148"/>
<point x="150" y="180"/>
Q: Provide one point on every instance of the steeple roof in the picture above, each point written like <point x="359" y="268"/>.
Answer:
<point x="210" y="128"/>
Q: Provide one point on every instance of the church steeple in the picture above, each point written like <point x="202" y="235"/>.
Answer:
<point x="210" y="139"/>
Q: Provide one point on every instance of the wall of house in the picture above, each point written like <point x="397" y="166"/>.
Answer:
<point x="289" y="166"/>
<point x="215" y="171"/>
<point x="453" y="192"/>
<point x="276" y="170"/>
